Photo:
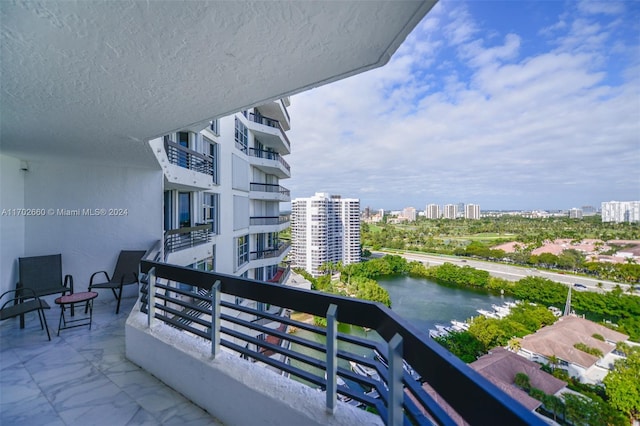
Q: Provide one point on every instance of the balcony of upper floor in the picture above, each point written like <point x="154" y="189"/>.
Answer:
<point x="269" y="192"/>
<point x="264" y="224"/>
<point x="187" y="245"/>
<point x="277" y="110"/>
<point x="269" y="162"/>
<point x="269" y="256"/>
<point x="214" y="352"/>
<point x="184" y="168"/>
<point x="192" y="357"/>
<point x="268" y="131"/>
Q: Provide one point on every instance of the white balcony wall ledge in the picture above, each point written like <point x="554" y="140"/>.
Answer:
<point x="233" y="390"/>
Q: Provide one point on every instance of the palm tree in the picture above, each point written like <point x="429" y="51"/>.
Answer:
<point x="514" y="345"/>
<point x="553" y="362"/>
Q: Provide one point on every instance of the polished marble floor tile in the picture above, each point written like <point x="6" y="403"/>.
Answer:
<point x="82" y="376"/>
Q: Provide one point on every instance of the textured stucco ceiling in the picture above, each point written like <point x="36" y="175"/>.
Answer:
<point x="95" y="80"/>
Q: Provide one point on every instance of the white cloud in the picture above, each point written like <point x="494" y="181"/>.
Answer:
<point x="453" y="118"/>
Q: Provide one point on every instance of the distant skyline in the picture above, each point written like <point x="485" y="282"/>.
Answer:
<point x="510" y="105"/>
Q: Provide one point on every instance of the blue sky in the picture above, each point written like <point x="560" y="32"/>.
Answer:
<point x="506" y="104"/>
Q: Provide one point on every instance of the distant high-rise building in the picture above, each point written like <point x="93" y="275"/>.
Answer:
<point x="588" y="210"/>
<point x="432" y="211"/>
<point x="575" y="213"/>
<point x="621" y="211"/>
<point x="409" y="213"/>
<point x="324" y="228"/>
<point x="450" y="211"/>
<point x="472" y="211"/>
<point x="367" y="213"/>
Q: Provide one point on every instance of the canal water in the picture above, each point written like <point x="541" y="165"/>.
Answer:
<point x="422" y="302"/>
<point x="425" y="303"/>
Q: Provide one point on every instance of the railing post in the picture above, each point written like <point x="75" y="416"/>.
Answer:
<point x="332" y="357"/>
<point x="396" y="391"/>
<point x="215" y="319"/>
<point x="151" y="296"/>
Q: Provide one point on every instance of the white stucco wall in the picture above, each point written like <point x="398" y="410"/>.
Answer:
<point x="91" y="243"/>
<point x="11" y="221"/>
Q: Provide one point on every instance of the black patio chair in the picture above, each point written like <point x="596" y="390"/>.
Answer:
<point x="22" y="302"/>
<point x="126" y="272"/>
<point x="43" y="275"/>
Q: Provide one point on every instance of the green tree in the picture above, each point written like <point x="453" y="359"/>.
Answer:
<point x="522" y="381"/>
<point x="622" y="385"/>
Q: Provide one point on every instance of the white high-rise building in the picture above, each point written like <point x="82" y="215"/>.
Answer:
<point x="450" y="211"/>
<point x="432" y="211"/>
<point x="472" y="211"/>
<point x="324" y="228"/>
<point x="621" y="211"/>
<point x="575" y="213"/>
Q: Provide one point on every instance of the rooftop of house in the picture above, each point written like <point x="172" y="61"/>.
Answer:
<point x="559" y="340"/>
<point x="501" y="366"/>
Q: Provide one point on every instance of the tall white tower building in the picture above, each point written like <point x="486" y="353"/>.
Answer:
<point x="432" y="211"/>
<point x="621" y="211"/>
<point x="450" y="211"/>
<point x="324" y="228"/>
<point x="472" y="211"/>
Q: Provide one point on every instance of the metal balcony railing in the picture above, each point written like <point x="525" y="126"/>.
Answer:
<point x="268" y="220"/>
<point x="270" y="187"/>
<point x="269" y="155"/>
<point x="266" y="121"/>
<point x="269" y="253"/>
<point x="189" y="159"/>
<point x="182" y="238"/>
<point x="393" y="373"/>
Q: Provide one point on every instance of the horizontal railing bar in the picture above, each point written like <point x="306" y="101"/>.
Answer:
<point x="309" y="360"/>
<point x="305" y="375"/>
<point x="187" y="230"/>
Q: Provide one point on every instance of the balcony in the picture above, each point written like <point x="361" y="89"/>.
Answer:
<point x="182" y="238"/>
<point x="185" y="246"/>
<point x="278" y="111"/>
<point x="269" y="192"/>
<point x="184" y="157"/>
<point x="262" y="224"/>
<point x="216" y="358"/>
<point x="269" y="256"/>
<point x="184" y="168"/>
<point x="269" y="162"/>
<point x="269" y="132"/>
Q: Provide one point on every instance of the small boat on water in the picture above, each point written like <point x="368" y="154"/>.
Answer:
<point x="487" y="314"/>
<point x="364" y="370"/>
<point x="439" y="331"/>
<point x="459" y="325"/>
<point x="405" y="365"/>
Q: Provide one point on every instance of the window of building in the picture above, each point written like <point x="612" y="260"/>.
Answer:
<point x="211" y="149"/>
<point x="215" y="127"/>
<point x="210" y="209"/>
<point x="184" y="209"/>
<point x="242" y="252"/>
<point x="242" y="136"/>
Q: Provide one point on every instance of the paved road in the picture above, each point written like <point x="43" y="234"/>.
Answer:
<point x="508" y="272"/>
